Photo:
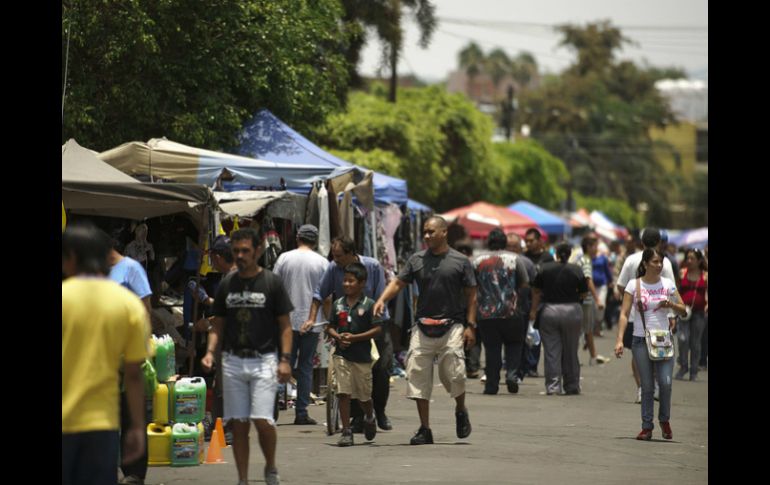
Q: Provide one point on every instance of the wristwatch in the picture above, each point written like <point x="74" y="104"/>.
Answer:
<point x="473" y="325"/>
<point x="285" y="356"/>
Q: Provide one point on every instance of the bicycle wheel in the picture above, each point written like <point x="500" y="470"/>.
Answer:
<point x="333" y="424"/>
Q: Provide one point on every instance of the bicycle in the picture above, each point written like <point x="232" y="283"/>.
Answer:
<point x="333" y="420"/>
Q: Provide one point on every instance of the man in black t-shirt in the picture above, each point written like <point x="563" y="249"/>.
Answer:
<point x="251" y="318"/>
<point x="538" y="255"/>
<point x="445" y="277"/>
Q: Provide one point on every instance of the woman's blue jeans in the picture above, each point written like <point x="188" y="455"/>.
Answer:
<point x="663" y="370"/>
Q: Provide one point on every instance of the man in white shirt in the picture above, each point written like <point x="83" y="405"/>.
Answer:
<point x="301" y="270"/>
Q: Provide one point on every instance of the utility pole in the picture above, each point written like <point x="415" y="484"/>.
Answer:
<point x="570" y="165"/>
<point x="507" y="110"/>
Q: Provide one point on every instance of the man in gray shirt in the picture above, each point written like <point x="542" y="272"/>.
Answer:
<point x="444" y="277"/>
<point x="301" y="270"/>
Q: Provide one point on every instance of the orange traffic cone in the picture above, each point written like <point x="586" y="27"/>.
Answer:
<point x="215" y="450"/>
<point x="221" y="431"/>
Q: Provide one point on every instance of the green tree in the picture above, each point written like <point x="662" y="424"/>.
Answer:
<point x="596" y="116"/>
<point x="527" y="171"/>
<point x="438" y="142"/>
<point x="472" y="59"/>
<point x="194" y="71"/>
<point x="386" y="17"/>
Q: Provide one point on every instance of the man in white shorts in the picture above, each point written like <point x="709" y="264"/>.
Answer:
<point x="251" y="318"/>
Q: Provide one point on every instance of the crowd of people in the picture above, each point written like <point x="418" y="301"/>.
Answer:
<point x="263" y="326"/>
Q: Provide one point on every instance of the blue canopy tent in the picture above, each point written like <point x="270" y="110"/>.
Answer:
<point x="417" y="206"/>
<point x="693" y="238"/>
<point x="547" y="221"/>
<point x="268" y="138"/>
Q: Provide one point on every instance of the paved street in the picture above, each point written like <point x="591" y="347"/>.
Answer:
<point x="528" y="438"/>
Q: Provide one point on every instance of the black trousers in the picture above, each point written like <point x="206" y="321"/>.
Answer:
<point x="499" y="334"/>
<point x="380" y="375"/>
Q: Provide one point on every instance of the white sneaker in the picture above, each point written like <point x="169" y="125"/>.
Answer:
<point x="656" y="395"/>
<point x="600" y="359"/>
<point x="483" y="378"/>
<point x="638" y="396"/>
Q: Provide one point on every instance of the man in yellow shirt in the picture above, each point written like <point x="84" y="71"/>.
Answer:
<point x="102" y="325"/>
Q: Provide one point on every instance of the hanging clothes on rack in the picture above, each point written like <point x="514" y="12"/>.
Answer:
<point x="311" y="210"/>
<point x="334" y="214"/>
<point x="271" y="241"/>
<point x="346" y="212"/>
<point x="388" y="220"/>
<point x="324" y="239"/>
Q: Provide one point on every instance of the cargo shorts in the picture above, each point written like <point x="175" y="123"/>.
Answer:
<point x="448" y="349"/>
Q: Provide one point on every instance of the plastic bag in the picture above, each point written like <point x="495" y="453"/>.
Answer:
<point x="533" y="335"/>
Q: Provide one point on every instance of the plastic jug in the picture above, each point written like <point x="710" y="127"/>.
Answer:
<point x="165" y="357"/>
<point x="189" y="401"/>
<point x="185" y="445"/>
<point x="160" y="404"/>
<point x="158" y="444"/>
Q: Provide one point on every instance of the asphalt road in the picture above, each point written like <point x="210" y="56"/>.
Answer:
<point x="527" y="438"/>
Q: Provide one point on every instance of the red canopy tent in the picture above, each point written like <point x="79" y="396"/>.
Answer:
<point x="481" y="217"/>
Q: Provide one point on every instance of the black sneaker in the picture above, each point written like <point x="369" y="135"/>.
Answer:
<point x="384" y="422"/>
<point x="357" y="425"/>
<point x="463" y="424"/>
<point x="304" y="419"/>
<point x="513" y="386"/>
<point x="346" y="439"/>
<point x="370" y="429"/>
<point x="423" y="436"/>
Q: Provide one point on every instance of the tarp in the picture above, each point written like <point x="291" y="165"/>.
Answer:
<point x="549" y="222"/>
<point x="247" y="203"/>
<point x="168" y="160"/>
<point x="268" y="138"/>
<point x="480" y="218"/>
<point x="693" y="238"/>
<point x="605" y="227"/>
<point x="418" y="206"/>
<point x="92" y="187"/>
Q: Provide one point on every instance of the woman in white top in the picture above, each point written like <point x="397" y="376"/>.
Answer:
<point x="659" y="297"/>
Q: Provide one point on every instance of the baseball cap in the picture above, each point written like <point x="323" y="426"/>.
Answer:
<point x="308" y="232"/>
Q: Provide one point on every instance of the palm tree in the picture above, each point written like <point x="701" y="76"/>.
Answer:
<point x="524" y="69"/>
<point x="471" y="59"/>
<point x="498" y="65"/>
<point x="385" y="17"/>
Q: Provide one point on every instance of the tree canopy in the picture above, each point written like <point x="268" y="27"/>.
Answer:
<point x="440" y="143"/>
<point x="597" y="115"/>
<point x="194" y="71"/>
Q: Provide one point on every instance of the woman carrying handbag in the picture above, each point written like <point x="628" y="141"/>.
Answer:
<point x="653" y="298"/>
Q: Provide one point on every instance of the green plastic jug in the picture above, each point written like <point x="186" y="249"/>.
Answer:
<point x="189" y="401"/>
<point x="165" y="358"/>
<point x="185" y="445"/>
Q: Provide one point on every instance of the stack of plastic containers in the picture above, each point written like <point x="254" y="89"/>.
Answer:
<point x="175" y="436"/>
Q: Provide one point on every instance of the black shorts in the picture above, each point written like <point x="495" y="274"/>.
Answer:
<point x="628" y="335"/>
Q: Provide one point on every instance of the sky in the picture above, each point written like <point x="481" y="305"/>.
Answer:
<point x="670" y="33"/>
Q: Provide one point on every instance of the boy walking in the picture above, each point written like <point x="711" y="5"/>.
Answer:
<point x="352" y="325"/>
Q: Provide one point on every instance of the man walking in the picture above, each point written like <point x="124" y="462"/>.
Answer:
<point x="302" y="269"/>
<point x="132" y="275"/>
<point x="251" y="319"/>
<point x="500" y="275"/>
<point x="103" y="324"/>
<point x="538" y="255"/>
<point x="445" y="278"/>
<point x="344" y="253"/>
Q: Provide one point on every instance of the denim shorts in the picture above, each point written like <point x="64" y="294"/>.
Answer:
<point x="249" y="386"/>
